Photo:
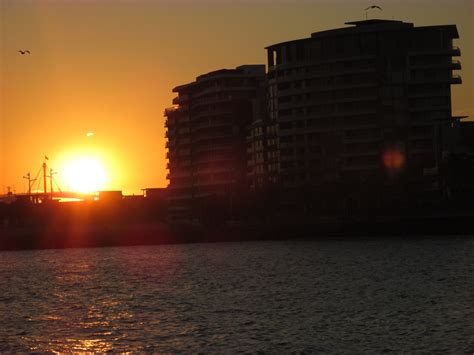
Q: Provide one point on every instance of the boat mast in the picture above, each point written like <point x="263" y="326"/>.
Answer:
<point x="51" y="173"/>
<point x="44" y="179"/>
<point x="28" y="177"/>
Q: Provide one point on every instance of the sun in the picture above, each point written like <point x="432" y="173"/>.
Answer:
<point x="85" y="175"/>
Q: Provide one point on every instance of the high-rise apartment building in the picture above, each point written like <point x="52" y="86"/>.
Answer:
<point x="363" y="105"/>
<point x="207" y="133"/>
<point x="262" y="146"/>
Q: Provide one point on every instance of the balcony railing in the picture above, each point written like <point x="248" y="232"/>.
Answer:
<point x="180" y="99"/>
<point x="170" y="110"/>
<point x="453" y="51"/>
<point x="454" y="79"/>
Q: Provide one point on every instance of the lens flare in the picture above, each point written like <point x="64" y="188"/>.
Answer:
<point x="393" y="159"/>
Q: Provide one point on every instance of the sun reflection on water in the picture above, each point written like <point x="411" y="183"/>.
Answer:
<point x="87" y="346"/>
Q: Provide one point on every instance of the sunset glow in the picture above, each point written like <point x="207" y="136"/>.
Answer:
<point x="101" y="72"/>
<point x="85" y="175"/>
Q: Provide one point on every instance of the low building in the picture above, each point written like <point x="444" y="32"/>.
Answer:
<point x="110" y="196"/>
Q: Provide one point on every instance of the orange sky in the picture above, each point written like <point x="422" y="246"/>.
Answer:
<point x="108" y="67"/>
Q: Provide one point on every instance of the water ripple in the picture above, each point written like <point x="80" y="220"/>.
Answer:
<point x="301" y="296"/>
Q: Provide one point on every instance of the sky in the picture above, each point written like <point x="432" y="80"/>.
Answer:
<point x="108" y="67"/>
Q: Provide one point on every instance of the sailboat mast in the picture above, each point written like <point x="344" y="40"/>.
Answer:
<point x="44" y="178"/>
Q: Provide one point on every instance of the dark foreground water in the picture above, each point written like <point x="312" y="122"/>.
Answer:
<point x="342" y="296"/>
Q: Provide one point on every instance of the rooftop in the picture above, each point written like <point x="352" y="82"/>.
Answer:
<point x="248" y="69"/>
<point x="368" y="26"/>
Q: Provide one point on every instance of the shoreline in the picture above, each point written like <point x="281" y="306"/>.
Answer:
<point x="62" y="236"/>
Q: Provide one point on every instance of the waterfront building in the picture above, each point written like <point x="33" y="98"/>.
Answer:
<point x="262" y="145"/>
<point x="363" y="113"/>
<point x="207" y="139"/>
<point x="461" y="167"/>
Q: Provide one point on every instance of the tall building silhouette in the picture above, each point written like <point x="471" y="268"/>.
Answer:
<point x="364" y="112"/>
<point x="262" y="145"/>
<point x="207" y="133"/>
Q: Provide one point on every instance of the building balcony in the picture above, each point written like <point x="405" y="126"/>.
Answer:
<point x="216" y="138"/>
<point x="368" y="153"/>
<point x="296" y="144"/>
<point x="222" y="89"/>
<point x="184" y="154"/>
<point x="429" y="93"/>
<point x="201" y="171"/>
<point x="183" y="98"/>
<point x="422" y="150"/>
<point x="421" y="136"/>
<point x="453" y="51"/>
<point x="325" y="101"/>
<point x="206" y="159"/>
<point x="362" y="125"/>
<point x="181" y="177"/>
<point x="417" y="108"/>
<point x="450" y="65"/>
<point x="181" y="145"/>
<point x="329" y="115"/>
<point x="325" y="74"/>
<point x="214" y="147"/>
<point x="456" y="51"/>
<point x="288" y="157"/>
<point x="184" y="131"/>
<point x="219" y="185"/>
<point x="353" y="58"/>
<point x="174" y="165"/>
<point x="329" y="87"/>
<point x="360" y="167"/>
<point x="182" y="120"/>
<point x="179" y="196"/>
<point x="454" y="79"/>
<point x="365" y="139"/>
<point x="170" y="110"/>
<point x="210" y="124"/>
<point x="211" y="100"/>
<point x="172" y="153"/>
<point x="456" y="65"/>
<point x="227" y="111"/>
<point x="182" y="109"/>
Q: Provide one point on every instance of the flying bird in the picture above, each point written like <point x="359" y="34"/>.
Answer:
<point x="374" y="7"/>
<point x="23" y="52"/>
<point x="89" y="134"/>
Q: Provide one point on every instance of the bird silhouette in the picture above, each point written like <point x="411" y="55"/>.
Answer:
<point x="373" y="7"/>
<point x="23" y="52"/>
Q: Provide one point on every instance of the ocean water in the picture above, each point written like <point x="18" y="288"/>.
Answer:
<point x="294" y="296"/>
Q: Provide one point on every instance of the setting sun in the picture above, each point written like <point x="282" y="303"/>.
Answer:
<point x="85" y="175"/>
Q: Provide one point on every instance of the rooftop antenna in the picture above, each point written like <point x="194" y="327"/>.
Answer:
<point x="371" y="7"/>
